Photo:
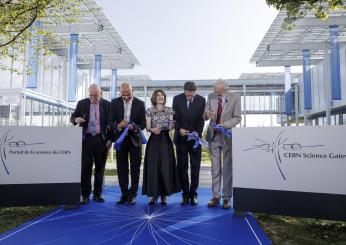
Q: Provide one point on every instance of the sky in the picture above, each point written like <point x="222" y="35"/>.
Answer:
<point x="191" y="39"/>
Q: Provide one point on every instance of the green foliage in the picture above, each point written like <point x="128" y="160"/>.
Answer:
<point x="297" y="9"/>
<point x="16" y="18"/>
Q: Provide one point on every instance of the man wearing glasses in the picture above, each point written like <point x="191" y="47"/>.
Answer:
<point x="92" y="114"/>
<point x="128" y="111"/>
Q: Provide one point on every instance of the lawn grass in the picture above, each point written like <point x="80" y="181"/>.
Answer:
<point x="284" y="230"/>
<point x="110" y="172"/>
<point x="11" y="217"/>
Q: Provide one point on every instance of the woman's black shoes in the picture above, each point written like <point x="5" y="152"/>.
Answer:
<point x="152" y="201"/>
<point x="163" y="201"/>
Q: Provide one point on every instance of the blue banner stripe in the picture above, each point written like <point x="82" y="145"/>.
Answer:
<point x="33" y="57"/>
<point x="97" y="74"/>
<point x="114" y="83"/>
<point x="288" y="102"/>
<point x="307" y="79"/>
<point x="335" y="62"/>
<point x="72" y="76"/>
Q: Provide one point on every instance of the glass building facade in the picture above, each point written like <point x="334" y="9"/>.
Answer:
<point x="45" y="105"/>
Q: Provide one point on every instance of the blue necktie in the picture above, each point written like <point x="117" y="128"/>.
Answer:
<point x="92" y="120"/>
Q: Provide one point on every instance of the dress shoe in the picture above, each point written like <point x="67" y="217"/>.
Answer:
<point x="152" y="201"/>
<point x="98" y="199"/>
<point x="132" y="200"/>
<point x="184" y="201"/>
<point x="213" y="202"/>
<point x="122" y="200"/>
<point x="85" y="200"/>
<point x="163" y="200"/>
<point x="194" y="201"/>
<point x="226" y="204"/>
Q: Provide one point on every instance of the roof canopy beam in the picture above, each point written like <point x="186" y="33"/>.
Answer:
<point x="295" y="62"/>
<point x="296" y="46"/>
<point x="90" y="51"/>
<point x="87" y="66"/>
<point x="314" y="22"/>
<point x="74" y="28"/>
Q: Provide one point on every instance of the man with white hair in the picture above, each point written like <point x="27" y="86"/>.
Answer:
<point x="223" y="110"/>
<point x="128" y="111"/>
<point x="92" y="114"/>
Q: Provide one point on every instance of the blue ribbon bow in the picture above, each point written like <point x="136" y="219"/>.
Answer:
<point x="121" y="139"/>
<point x="198" y="141"/>
<point x="222" y="130"/>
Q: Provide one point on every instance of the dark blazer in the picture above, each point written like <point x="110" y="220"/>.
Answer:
<point x="190" y="119"/>
<point x="83" y="110"/>
<point x="116" y="115"/>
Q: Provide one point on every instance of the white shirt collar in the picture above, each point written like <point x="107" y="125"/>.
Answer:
<point x="130" y="102"/>
<point x="191" y="99"/>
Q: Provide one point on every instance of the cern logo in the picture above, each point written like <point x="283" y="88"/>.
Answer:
<point x="276" y="147"/>
<point x="8" y="141"/>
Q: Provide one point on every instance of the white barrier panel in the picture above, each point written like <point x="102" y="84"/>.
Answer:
<point x="40" y="165"/>
<point x="292" y="170"/>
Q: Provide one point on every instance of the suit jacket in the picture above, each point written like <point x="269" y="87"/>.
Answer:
<point x="137" y="116"/>
<point x="231" y="112"/>
<point x="190" y="118"/>
<point x="83" y="110"/>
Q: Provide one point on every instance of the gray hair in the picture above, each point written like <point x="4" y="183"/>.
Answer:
<point x="221" y="82"/>
<point x="95" y="86"/>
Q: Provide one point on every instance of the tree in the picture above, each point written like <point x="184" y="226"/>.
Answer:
<point x="297" y="9"/>
<point x="17" y="29"/>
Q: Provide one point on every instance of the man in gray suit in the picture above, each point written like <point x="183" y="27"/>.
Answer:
<point x="222" y="108"/>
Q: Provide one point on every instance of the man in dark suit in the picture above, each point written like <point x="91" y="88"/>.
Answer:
<point x="128" y="110"/>
<point x="92" y="114"/>
<point x="189" y="109"/>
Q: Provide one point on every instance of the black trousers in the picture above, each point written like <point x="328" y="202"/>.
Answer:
<point x="93" y="151"/>
<point x="185" y="151"/>
<point x="135" y="153"/>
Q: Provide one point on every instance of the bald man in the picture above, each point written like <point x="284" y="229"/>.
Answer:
<point x="128" y="110"/>
<point x="92" y="114"/>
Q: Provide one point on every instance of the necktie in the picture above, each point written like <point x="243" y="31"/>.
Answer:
<point x="219" y="110"/>
<point x="92" y="120"/>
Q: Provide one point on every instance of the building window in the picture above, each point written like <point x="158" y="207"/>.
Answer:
<point x="28" y="103"/>
<point x="37" y="115"/>
<point x="47" y="119"/>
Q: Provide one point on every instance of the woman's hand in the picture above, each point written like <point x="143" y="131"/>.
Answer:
<point x="171" y="125"/>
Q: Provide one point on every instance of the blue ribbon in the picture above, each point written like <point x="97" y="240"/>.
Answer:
<point x="121" y="139"/>
<point x="198" y="140"/>
<point x="144" y="140"/>
<point x="222" y="130"/>
<point x="167" y="122"/>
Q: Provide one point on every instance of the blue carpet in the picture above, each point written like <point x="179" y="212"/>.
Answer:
<point x="106" y="223"/>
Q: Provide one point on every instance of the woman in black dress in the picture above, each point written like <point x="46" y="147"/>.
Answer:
<point x="160" y="176"/>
